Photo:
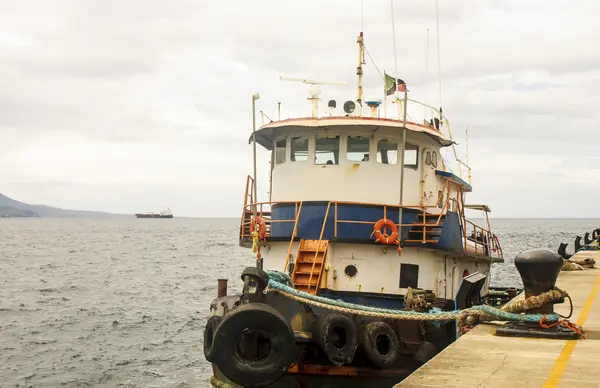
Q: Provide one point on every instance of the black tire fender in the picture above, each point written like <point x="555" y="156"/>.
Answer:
<point x="338" y="337"/>
<point x="209" y="335"/>
<point x="425" y="352"/>
<point x="253" y="345"/>
<point x="381" y="344"/>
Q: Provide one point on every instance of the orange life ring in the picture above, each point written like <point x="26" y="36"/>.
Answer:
<point x="384" y="238"/>
<point x="262" y="227"/>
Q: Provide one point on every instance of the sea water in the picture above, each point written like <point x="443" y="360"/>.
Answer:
<point x="123" y="303"/>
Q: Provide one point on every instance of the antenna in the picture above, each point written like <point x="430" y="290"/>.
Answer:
<point x="426" y="75"/>
<point x="467" y="141"/>
<point x="467" y="149"/>
<point x="314" y="90"/>
<point x="437" y="22"/>
<point x="359" y="70"/>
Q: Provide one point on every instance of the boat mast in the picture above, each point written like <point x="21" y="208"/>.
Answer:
<point x="255" y="97"/>
<point x="426" y="75"/>
<point x="359" y="70"/>
<point x="437" y="23"/>
<point x="403" y="143"/>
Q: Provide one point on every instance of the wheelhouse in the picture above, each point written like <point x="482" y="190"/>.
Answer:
<point x="333" y="178"/>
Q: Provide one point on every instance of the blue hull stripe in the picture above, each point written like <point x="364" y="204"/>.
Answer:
<point x="313" y="213"/>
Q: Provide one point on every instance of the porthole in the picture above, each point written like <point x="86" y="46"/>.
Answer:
<point x="434" y="159"/>
<point x="350" y="270"/>
<point x="428" y="158"/>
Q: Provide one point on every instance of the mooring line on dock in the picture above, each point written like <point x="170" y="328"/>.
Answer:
<point x="563" y="359"/>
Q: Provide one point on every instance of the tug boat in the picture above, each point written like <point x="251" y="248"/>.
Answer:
<point x="362" y="211"/>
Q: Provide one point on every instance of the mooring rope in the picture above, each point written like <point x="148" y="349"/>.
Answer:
<point x="282" y="283"/>
<point x="535" y="301"/>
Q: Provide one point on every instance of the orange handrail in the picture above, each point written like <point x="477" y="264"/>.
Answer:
<point x="263" y="209"/>
<point x="318" y="250"/>
<point x="287" y="257"/>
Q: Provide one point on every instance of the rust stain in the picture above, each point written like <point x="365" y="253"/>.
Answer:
<point x="324" y="370"/>
<point x="345" y="371"/>
<point x="297" y="322"/>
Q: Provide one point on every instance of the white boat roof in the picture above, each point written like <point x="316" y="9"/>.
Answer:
<point x="266" y="134"/>
<point x="485" y="208"/>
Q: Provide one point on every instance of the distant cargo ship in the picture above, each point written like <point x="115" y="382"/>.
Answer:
<point x="163" y="214"/>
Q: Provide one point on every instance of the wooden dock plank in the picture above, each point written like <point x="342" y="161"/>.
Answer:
<point x="482" y="359"/>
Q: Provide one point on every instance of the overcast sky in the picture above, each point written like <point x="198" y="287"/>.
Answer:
<point x="128" y="106"/>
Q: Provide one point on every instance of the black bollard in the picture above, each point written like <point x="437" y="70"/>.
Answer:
<point x="255" y="282"/>
<point x="577" y="243"/>
<point x="539" y="269"/>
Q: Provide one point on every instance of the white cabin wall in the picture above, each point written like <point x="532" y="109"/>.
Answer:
<point x="370" y="260"/>
<point x="347" y="181"/>
<point x="379" y="272"/>
<point x="350" y="181"/>
<point x="274" y="256"/>
<point x="429" y="183"/>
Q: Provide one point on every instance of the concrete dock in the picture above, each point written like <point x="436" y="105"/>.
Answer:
<point x="481" y="359"/>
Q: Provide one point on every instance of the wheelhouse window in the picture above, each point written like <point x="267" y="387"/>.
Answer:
<point x="299" y="148"/>
<point x="357" y="149"/>
<point x="387" y="151"/>
<point x="411" y="154"/>
<point x="280" y="151"/>
<point x="327" y="150"/>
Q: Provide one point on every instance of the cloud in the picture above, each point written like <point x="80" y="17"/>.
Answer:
<point x="117" y="106"/>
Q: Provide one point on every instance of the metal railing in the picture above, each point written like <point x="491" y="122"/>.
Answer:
<point x="418" y="113"/>
<point x="482" y="243"/>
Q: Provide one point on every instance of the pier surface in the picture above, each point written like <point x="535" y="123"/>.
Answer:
<point x="481" y="359"/>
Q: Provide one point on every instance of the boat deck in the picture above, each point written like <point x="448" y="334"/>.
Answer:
<point x="482" y="359"/>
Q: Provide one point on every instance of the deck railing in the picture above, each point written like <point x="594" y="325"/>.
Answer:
<point x="417" y="112"/>
<point x="476" y="240"/>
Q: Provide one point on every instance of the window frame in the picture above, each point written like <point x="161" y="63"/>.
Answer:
<point x="388" y="138"/>
<point x="308" y="148"/>
<point x="339" y="148"/>
<point x="285" y="148"/>
<point x="411" y="166"/>
<point x="369" y="146"/>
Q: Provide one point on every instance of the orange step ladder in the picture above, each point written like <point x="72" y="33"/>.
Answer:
<point x="309" y="265"/>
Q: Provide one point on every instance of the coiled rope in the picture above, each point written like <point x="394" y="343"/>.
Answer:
<point x="282" y="283"/>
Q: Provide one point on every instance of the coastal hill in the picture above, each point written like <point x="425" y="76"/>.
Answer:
<point x="13" y="208"/>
